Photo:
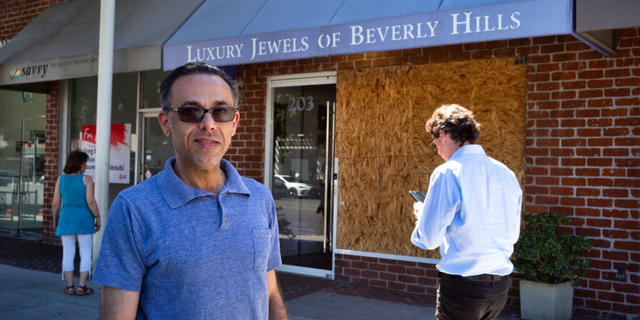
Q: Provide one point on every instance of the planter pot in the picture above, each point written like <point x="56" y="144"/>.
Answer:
<point x="544" y="301"/>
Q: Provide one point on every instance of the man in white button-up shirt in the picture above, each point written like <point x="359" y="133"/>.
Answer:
<point x="472" y="212"/>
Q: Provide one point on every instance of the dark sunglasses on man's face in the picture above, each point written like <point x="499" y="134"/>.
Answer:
<point x="196" y="114"/>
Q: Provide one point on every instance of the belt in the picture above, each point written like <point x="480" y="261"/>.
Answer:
<point x="480" y="277"/>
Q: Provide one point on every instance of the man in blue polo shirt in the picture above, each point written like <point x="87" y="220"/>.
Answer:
<point x="197" y="241"/>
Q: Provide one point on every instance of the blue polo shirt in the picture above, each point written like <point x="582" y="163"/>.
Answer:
<point x="192" y="254"/>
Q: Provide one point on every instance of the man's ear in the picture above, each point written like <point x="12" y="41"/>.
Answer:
<point x="163" y="118"/>
<point x="236" y="119"/>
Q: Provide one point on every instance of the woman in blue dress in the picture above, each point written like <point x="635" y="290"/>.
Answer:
<point x="79" y="218"/>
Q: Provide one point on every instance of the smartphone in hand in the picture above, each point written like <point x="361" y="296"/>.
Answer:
<point x="417" y="195"/>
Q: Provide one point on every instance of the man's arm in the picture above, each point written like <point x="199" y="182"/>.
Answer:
<point x="119" y="304"/>
<point x="277" y="311"/>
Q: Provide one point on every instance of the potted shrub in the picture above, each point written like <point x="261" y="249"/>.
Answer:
<point x="550" y="263"/>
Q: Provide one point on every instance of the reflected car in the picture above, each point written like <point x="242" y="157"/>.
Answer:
<point x="279" y="189"/>
<point x="296" y="189"/>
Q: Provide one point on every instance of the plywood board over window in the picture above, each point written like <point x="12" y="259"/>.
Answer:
<point x="384" y="150"/>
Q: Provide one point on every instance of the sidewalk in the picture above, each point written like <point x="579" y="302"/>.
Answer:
<point x="31" y="288"/>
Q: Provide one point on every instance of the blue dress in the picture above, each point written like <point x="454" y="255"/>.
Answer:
<point x="75" y="215"/>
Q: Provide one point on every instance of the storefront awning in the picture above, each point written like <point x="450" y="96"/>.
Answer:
<point x="251" y="31"/>
<point x="596" y="20"/>
<point x="62" y="42"/>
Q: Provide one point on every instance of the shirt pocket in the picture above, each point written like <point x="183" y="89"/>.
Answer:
<point x="261" y="241"/>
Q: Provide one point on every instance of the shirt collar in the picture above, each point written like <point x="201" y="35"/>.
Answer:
<point x="177" y="193"/>
<point x="468" y="149"/>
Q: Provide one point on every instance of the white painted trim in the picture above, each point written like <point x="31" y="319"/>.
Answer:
<point x="136" y="156"/>
<point x="300" y="77"/>
<point x="386" y="256"/>
<point x="321" y="273"/>
<point x="63" y="124"/>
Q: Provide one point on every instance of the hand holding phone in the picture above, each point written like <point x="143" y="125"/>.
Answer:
<point x="417" y="195"/>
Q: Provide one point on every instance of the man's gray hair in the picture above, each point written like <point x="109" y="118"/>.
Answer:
<point x="164" y="90"/>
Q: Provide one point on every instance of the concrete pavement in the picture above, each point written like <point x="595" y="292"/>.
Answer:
<point x="28" y="294"/>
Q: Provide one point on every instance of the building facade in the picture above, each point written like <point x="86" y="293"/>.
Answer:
<point x="564" y="117"/>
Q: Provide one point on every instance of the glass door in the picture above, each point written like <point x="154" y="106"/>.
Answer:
<point x="22" y="147"/>
<point x="300" y="171"/>
<point x="155" y="147"/>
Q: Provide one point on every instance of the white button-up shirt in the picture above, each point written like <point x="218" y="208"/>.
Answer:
<point x="472" y="212"/>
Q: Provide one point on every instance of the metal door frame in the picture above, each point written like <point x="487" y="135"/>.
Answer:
<point x="297" y="80"/>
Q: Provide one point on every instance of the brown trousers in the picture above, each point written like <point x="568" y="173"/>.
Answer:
<point x="478" y="299"/>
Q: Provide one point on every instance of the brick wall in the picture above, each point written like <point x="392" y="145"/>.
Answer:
<point x="17" y="14"/>
<point x="583" y="148"/>
<point x="52" y="134"/>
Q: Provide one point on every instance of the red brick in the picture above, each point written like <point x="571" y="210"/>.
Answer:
<point x="626" y="224"/>
<point x="574" y="84"/>
<point x="562" y="133"/>
<point x="564" y="57"/>
<point x="571" y="201"/>
<point x="590" y="74"/>
<point x="579" y="182"/>
<point x="591" y="212"/>
<point x="627" y="82"/>
<point x="615" y="255"/>
<point x="537" y="77"/>
<point x="585" y="94"/>
<point x="599" y="103"/>
<point x="561" y="172"/>
<point x="599" y="83"/>
<point x="590" y="55"/>
<point x="595" y="182"/>
<point x="588" y="152"/>
<point x="601" y="64"/>
<point x="574" y="142"/>
<point x="611" y="172"/>
<point x="600" y="223"/>
<point x="587" y="172"/>
<point x="388" y="276"/>
<point x="600" y="142"/>
<point x="548" y="104"/>
<point x="620" y="92"/>
<point x="548" y="67"/>
<point x="563" y="75"/>
<point x="627" y="102"/>
<point x="546" y="200"/>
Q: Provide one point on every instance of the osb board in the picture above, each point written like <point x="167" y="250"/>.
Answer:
<point x="384" y="149"/>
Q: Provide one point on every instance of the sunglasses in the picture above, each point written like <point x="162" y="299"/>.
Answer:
<point x="196" y="114"/>
<point x="433" y="145"/>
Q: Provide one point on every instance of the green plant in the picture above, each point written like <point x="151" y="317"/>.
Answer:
<point x="544" y="255"/>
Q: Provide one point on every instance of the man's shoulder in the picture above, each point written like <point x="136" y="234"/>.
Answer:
<point x="255" y="187"/>
<point x="141" y="190"/>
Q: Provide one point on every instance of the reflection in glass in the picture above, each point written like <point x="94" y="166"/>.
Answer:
<point x="157" y="149"/>
<point x="22" y="162"/>
<point x="298" y="177"/>
<point x="84" y="107"/>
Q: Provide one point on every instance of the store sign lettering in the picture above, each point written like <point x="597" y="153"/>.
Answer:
<point x="35" y="70"/>
<point x="486" y="23"/>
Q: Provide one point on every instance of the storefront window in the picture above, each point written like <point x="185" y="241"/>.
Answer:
<point x="83" y="111"/>
<point x="151" y="80"/>
<point x="22" y="139"/>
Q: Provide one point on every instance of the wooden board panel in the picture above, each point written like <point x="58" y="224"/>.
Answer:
<point x="384" y="149"/>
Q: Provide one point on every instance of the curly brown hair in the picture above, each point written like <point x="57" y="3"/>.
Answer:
<point x="455" y="120"/>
